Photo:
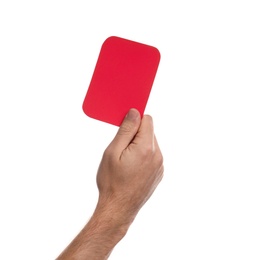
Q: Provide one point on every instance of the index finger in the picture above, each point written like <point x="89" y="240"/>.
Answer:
<point x="145" y="134"/>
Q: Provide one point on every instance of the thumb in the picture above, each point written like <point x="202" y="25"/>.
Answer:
<point x="126" y="131"/>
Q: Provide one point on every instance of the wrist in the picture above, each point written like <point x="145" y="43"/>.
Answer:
<point x="112" y="219"/>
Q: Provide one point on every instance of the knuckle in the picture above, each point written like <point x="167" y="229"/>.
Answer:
<point x="147" y="151"/>
<point x="125" y="129"/>
<point x="148" y="117"/>
<point x="160" y="159"/>
<point x="108" y="153"/>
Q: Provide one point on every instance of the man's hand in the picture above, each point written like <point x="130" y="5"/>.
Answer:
<point x="131" y="168"/>
<point x="129" y="172"/>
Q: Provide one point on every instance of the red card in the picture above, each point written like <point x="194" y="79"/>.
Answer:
<point x="122" y="79"/>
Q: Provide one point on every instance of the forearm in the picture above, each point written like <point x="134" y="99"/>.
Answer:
<point x="97" y="239"/>
<point x="129" y="172"/>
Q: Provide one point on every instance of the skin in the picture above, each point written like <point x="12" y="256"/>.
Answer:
<point x="128" y="174"/>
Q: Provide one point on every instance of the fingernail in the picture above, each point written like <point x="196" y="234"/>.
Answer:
<point x="132" y="114"/>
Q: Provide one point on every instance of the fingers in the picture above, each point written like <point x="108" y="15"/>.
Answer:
<point x="126" y="131"/>
<point x="145" y="135"/>
<point x="146" y="140"/>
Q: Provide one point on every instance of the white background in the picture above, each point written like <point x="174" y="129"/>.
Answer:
<point x="206" y="111"/>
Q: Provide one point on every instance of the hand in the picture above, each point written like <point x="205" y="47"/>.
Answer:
<point x="129" y="172"/>
<point x="131" y="168"/>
